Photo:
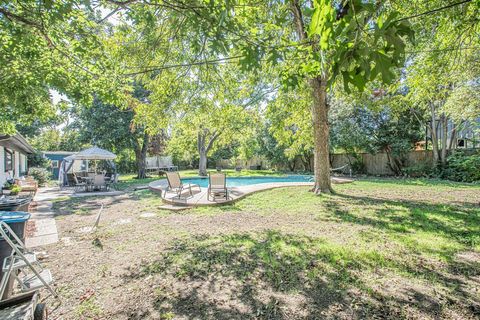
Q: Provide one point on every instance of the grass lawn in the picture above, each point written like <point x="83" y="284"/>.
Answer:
<point x="377" y="249"/>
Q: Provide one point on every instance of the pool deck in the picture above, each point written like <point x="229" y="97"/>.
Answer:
<point x="199" y="197"/>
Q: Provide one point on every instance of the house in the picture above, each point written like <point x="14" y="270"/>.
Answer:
<point x="14" y="150"/>
<point x="56" y="158"/>
<point x="465" y="135"/>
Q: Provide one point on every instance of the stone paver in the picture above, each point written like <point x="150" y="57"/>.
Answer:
<point x="43" y="217"/>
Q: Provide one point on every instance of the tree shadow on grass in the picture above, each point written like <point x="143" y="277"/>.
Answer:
<point x="459" y="223"/>
<point x="271" y="275"/>
<point x="420" y="182"/>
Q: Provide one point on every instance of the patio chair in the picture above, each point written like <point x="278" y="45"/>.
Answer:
<point x="99" y="182"/>
<point x="112" y="181"/>
<point x="70" y="180"/>
<point x="217" y="186"/>
<point x="79" y="185"/>
<point x="175" y="184"/>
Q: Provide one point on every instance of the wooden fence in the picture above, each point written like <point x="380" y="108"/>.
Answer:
<point x="374" y="164"/>
<point x="377" y="164"/>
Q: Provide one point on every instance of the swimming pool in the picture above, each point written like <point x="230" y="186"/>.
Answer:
<point x="246" y="181"/>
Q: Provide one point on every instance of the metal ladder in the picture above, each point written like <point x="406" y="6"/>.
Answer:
<point x="24" y="266"/>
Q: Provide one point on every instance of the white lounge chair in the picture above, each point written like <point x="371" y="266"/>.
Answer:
<point x="217" y="186"/>
<point x="175" y="184"/>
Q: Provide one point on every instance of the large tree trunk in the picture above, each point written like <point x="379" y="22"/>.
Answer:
<point x="141" y="156"/>
<point x="204" y="149"/>
<point x="202" y="164"/>
<point x="321" y="136"/>
<point x="319" y="114"/>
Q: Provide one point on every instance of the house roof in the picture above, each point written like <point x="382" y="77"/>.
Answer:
<point x="16" y="142"/>
<point x="62" y="153"/>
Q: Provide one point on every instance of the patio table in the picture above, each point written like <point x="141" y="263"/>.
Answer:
<point x="88" y="180"/>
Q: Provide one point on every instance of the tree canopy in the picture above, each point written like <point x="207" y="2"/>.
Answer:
<point x="297" y="74"/>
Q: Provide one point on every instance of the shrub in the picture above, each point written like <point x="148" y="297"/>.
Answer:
<point x="418" y="170"/>
<point x="357" y="165"/>
<point x="42" y="175"/>
<point x="462" y="167"/>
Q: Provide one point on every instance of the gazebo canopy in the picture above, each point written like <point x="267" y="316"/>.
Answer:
<point x="94" y="153"/>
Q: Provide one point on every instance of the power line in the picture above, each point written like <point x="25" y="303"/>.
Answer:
<point x="443" y="50"/>
<point x="231" y="60"/>
<point x="433" y="10"/>
<point x="182" y="65"/>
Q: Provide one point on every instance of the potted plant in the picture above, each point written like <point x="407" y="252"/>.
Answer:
<point x="15" y="190"/>
<point x="10" y="188"/>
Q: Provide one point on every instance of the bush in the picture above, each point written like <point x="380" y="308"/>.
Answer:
<point x="419" y="170"/>
<point x="42" y="175"/>
<point x="462" y="167"/>
<point x="358" y="166"/>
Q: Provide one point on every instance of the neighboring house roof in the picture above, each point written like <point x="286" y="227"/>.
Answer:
<point x="61" y="153"/>
<point x="16" y="142"/>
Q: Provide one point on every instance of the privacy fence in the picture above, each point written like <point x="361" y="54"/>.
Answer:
<point x="377" y="164"/>
<point x="373" y="164"/>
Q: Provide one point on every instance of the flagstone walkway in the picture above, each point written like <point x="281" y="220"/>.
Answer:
<point x="42" y="219"/>
<point x="41" y="228"/>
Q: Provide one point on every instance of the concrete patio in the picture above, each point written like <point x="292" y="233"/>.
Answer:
<point x="199" y="195"/>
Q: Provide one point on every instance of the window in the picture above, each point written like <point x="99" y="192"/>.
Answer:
<point x="8" y="160"/>
<point x="55" y="164"/>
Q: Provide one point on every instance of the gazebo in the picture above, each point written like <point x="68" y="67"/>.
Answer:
<point x="94" y="153"/>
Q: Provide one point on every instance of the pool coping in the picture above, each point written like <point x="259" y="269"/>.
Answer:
<point x="199" y="197"/>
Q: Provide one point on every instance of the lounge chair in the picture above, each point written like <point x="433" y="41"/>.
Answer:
<point x="217" y="186"/>
<point x="175" y="184"/>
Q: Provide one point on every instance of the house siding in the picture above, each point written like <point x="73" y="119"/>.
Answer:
<point x="3" y="176"/>
<point x="16" y="171"/>
<point x="19" y="165"/>
<point x="19" y="148"/>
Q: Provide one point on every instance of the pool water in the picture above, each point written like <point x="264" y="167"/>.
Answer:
<point x="245" y="181"/>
